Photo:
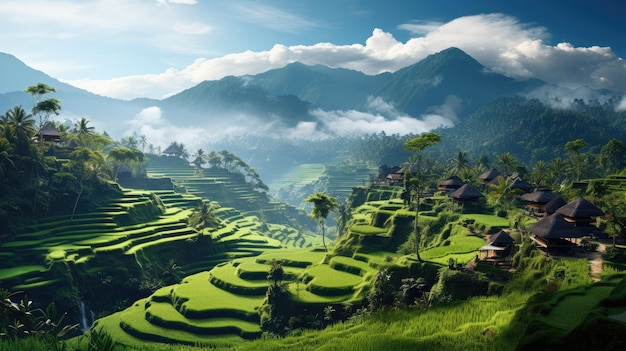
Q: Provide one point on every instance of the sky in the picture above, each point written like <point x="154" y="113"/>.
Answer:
<point x="130" y="49"/>
<point x="155" y="48"/>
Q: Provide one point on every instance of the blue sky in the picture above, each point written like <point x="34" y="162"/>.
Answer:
<point x="155" y="48"/>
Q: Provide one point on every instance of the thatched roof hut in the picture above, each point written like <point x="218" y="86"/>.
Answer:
<point x="521" y="184"/>
<point x="555" y="226"/>
<point x="450" y="184"/>
<point x="539" y="197"/>
<point x="466" y="192"/>
<point x="551" y="206"/>
<point x="48" y="133"/>
<point x="502" y="238"/>
<point x="489" y="175"/>
<point x="499" y="246"/>
<point x="580" y="210"/>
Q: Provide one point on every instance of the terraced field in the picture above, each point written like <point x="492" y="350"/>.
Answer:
<point x="222" y="305"/>
<point x="136" y="229"/>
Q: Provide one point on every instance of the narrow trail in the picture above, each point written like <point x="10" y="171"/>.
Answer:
<point x="596" y="262"/>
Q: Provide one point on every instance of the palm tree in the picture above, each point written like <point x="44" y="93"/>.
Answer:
<point x="417" y="145"/>
<point x="502" y="192"/>
<point x="458" y="163"/>
<point x="540" y="173"/>
<point x="129" y="142"/>
<point x="143" y="141"/>
<point x="83" y="131"/>
<point x="6" y="152"/>
<point x="199" y="158"/>
<point x="508" y="162"/>
<point x="558" y="168"/>
<point x="322" y="206"/>
<point x="21" y="128"/>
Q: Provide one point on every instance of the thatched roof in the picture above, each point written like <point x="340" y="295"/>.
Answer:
<point x="466" y="192"/>
<point x="580" y="208"/>
<point x="172" y="150"/>
<point x="49" y="130"/>
<point x="501" y="237"/>
<point x="452" y="182"/>
<point x="556" y="227"/>
<point x="541" y="197"/>
<point x="489" y="175"/>
<point x="521" y="184"/>
<point x="551" y="206"/>
<point x="412" y="169"/>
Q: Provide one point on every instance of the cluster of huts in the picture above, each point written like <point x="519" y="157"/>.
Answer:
<point x="560" y="224"/>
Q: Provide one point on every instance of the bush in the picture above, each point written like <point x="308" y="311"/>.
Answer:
<point x="458" y="285"/>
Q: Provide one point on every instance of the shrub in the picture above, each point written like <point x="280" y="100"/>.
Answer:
<point x="458" y="285"/>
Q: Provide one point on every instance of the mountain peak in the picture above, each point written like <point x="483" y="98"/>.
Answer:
<point x="14" y="73"/>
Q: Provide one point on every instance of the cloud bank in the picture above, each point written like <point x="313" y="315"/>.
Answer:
<point x="382" y="117"/>
<point x="499" y="42"/>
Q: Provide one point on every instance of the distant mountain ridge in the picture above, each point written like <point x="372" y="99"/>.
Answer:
<point x="286" y="96"/>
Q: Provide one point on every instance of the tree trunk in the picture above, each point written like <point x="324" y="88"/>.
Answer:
<point x="80" y="192"/>
<point x="323" y="236"/>
<point x="415" y="227"/>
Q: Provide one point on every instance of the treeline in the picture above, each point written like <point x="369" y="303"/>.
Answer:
<point x="533" y="130"/>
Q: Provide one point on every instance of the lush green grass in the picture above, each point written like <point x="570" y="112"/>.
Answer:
<point x="486" y="222"/>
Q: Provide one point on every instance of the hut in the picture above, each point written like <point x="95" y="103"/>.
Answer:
<point x="536" y="200"/>
<point x="394" y="179"/>
<point x="451" y="184"/>
<point x="580" y="211"/>
<point x="521" y="184"/>
<point x="48" y="133"/>
<point x="489" y="176"/>
<point x="551" y="206"/>
<point x="553" y="233"/>
<point x="499" y="246"/>
<point x="173" y="151"/>
<point x="466" y="194"/>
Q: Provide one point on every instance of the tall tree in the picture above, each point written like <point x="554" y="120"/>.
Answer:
<point x="508" y="162"/>
<point x="322" y="206"/>
<point x="143" y="141"/>
<point x="417" y="145"/>
<point x="613" y="156"/>
<point x="21" y="128"/>
<point x="199" y="158"/>
<point x="85" y="164"/>
<point x="459" y="162"/>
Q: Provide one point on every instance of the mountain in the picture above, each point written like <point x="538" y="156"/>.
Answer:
<point x="17" y="76"/>
<point x="105" y="114"/>
<point x="329" y="88"/>
<point x="211" y="101"/>
<point x="450" y="73"/>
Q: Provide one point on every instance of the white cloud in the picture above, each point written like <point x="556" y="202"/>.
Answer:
<point x="420" y="27"/>
<point x="499" y="42"/>
<point x="622" y="105"/>
<point x="160" y="132"/>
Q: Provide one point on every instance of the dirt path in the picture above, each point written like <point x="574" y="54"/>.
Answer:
<point x="595" y="262"/>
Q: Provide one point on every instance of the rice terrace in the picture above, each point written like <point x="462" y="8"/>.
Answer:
<point x="168" y="252"/>
<point x="324" y="176"/>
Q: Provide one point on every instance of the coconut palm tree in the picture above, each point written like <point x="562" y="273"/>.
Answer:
<point x="6" y="152"/>
<point x="507" y="162"/>
<point x="322" y="206"/>
<point x="199" y="158"/>
<point x="540" y="173"/>
<point x="458" y="163"/>
<point x="143" y="141"/>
